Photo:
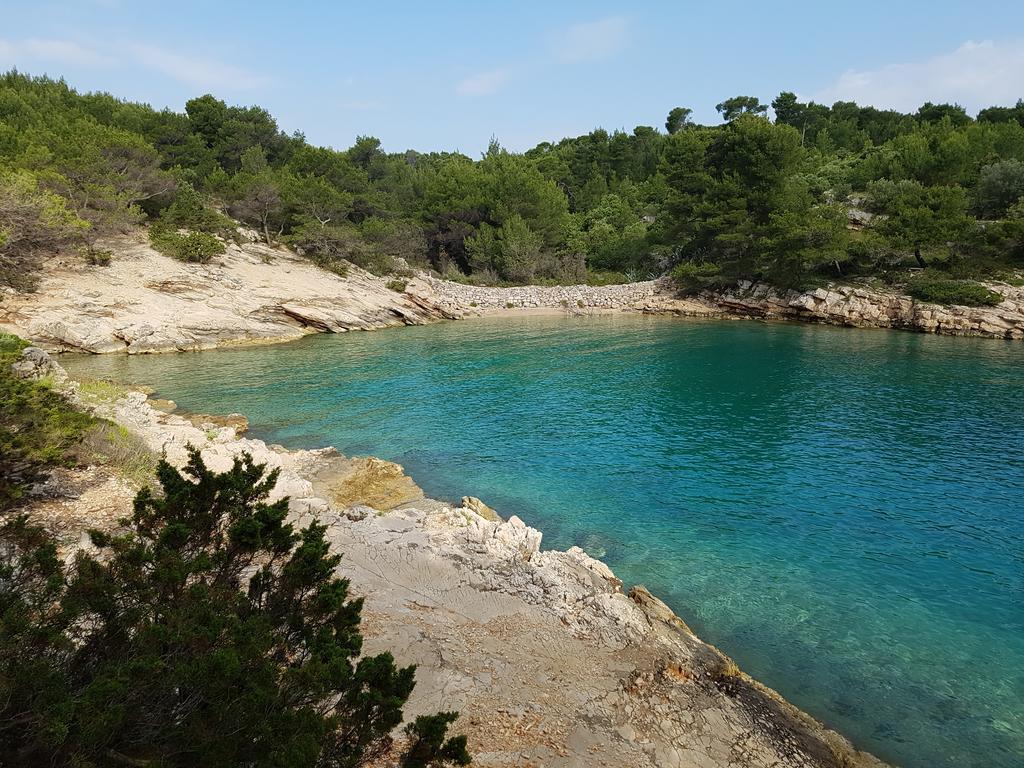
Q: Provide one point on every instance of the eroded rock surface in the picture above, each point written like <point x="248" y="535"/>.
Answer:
<point x="862" y="307"/>
<point x="147" y="302"/>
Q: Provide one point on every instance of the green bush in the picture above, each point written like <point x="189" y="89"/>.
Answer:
<point x="96" y="258"/>
<point x="397" y="285"/>
<point x="191" y="247"/>
<point x="188" y="211"/>
<point x="938" y="290"/>
<point x="606" y="277"/>
<point x="38" y="427"/>
<point x="692" y="275"/>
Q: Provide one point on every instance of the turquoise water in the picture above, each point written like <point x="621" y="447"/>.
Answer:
<point x="841" y="511"/>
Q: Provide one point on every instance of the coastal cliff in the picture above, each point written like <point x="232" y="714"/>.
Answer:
<point x="547" y="657"/>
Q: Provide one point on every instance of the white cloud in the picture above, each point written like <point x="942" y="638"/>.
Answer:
<point x="975" y="75"/>
<point x="197" y="71"/>
<point x="67" y="52"/>
<point x="594" y="39"/>
<point x="483" y="83"/>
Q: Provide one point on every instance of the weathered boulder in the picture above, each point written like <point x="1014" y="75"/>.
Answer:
<point x="473" y="503"/>
<point x="35" y="363"/>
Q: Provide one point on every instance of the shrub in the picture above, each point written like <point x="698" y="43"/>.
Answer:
<point x="692" y="275"/>
<point x="114" y="446"/>
<point x="606" y="277"/>
<point x="96" y="258"/>
<point x="208" y="632"/>
<point x="191" y="247"/>
<point x="188" y="211"/>
<point x="33" y="222"/>
<point x="38" y="427"/>
<point x="938" y="290"/>
<point x="199" y="247"/>
<point x="397" y="285"/>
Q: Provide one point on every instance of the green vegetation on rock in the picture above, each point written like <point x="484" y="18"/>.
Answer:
<point x="940" y="290"/>
<point x="38" y="427"/>
<point x="206" y="631"/>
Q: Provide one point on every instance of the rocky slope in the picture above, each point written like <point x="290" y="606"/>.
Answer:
<point x="146" y="302"/>
<point x="550" y="662"/>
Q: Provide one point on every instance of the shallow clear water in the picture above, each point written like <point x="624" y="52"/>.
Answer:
<point x="841" y="511"/>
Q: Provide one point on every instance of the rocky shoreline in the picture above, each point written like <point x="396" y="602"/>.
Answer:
<point x="550" y="661"/>
<point x="145" y="302"/>
<point x="857" y="306"/>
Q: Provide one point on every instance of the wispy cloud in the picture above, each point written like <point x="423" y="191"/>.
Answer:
<point x="197" y="71"/>
<point x="594" y="39"/>
<point x="975" y="75"/>
<point x="483" y="83"/>
<point x="38" y="50"/>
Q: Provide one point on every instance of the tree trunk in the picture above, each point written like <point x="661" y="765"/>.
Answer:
<point x="266" y="231"/>
<point x="917" y="255"/>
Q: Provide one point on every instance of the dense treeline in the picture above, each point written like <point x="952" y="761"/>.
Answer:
<point x="822" y="192"/>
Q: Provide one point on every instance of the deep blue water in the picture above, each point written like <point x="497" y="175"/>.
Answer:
<point x="841" y="511"/>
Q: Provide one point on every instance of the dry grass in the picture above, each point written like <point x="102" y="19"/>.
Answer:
<point x="99" y="391"/>
<point x="113" y="446"/>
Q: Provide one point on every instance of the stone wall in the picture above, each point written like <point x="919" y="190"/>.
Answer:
<point x="459" y="297"/>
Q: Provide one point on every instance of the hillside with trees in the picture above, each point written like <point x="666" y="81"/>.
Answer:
<point x="818" y="193"/>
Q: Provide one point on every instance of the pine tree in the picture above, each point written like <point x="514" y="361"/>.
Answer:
<point x="208" y="633"/>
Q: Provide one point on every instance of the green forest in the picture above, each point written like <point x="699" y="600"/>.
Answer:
<point x="820" y="193"/>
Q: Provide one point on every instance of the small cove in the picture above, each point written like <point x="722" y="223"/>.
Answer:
<point x="841" y="511"/>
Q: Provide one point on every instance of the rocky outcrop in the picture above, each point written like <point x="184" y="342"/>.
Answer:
<point x="863" y="307"/>
<point x="550" y="662"/>
<point x="146" y="302"/>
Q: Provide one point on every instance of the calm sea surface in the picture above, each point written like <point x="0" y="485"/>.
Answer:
<point x="842" y="511"/>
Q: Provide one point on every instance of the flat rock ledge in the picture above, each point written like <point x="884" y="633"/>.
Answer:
<point x="549" y="660"/>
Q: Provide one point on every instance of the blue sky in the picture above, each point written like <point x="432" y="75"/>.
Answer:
<point x="448" y="75"/>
